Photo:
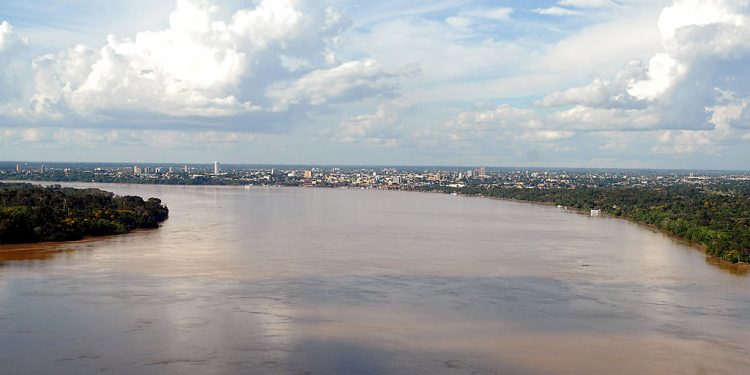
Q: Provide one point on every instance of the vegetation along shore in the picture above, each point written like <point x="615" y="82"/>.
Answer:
<point x="32" y="213"/>
<point x="718" y="220"/>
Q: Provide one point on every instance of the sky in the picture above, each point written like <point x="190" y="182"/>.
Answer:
<point x="549" y="83"/>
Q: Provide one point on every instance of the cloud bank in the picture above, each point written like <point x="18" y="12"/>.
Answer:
<point x="577" y="82"/>
<point x="690" y="97"/>
<point x="270" y="58"/>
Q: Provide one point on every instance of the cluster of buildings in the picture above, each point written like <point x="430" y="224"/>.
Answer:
<point x="403" y="178"/>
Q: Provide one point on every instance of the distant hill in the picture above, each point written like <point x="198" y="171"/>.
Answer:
<point x="32" y="213"/>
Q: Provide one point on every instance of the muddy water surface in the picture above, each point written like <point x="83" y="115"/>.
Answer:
<point x="294" y="281"/>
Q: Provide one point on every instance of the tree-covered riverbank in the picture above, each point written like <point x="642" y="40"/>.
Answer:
<point x="717" y="219"/>
<point x="32" y="213"/>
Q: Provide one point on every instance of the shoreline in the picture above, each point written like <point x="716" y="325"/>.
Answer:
<point x="103" y="215"/>
<point x="684" y="241"/>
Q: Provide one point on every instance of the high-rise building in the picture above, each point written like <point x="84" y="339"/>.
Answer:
<point x="18" y="168"/>
<point x="185" y="169"/>
<point x="307" y="174"/>
<point x="216" y="167"/>
<point x="137" y="169"/>
<point x="42" y="169"/>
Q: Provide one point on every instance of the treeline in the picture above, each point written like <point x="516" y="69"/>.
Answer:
<point x="716" y="217"/>
<point x="32" y="213"/>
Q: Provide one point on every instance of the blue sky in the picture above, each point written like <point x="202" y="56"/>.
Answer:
<point x="578" y="83"/>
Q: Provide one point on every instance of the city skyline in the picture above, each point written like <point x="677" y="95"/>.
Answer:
<point x="557" y="84"/>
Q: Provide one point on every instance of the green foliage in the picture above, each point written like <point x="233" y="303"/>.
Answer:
<point x="31" y="213"/>
<point x="718" y="219"/>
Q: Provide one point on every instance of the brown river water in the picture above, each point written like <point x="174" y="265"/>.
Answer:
<point x="335" y="281"/>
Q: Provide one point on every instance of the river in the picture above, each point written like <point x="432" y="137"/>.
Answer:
<point x="322" y="281"/>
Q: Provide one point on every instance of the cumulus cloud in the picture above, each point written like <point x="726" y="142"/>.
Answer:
<point x="381" y="128"/>
<point x="601" y="93"/>
<point x="501" y="132"/>
<point x="503" y="122"/>
<point x="194" y="67"/>
<point x="349" y="81"/>
<point x="264" y="59"/>
<point x="277" y="62"/>
<point x="690" y="97"/>
<point x="698" y="87"/>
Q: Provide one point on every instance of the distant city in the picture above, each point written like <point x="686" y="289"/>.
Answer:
<point x="395" y="178"/>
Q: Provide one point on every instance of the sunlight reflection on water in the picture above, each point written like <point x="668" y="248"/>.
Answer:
<point x="288" y="280"/>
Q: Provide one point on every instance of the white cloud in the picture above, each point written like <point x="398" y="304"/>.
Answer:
<point x="467" y="19"/>
<point x="349" y="81"/>
<point x="497" y="14"/>
<point x="545" y="135"/>
<point x="697" y="86"/>
<point x="14" y="69"/>
<point x="662" y="72"/>
<point x="380" y="128"/>
<point x="557" y="11"/>
<point x="601" y="93"/>
<point x="690" y="98"/>
<point x="459" y="22"/>
<point x="96" y="138"/>
<point x="502" y="117"/>
<point x="261" y="66"/>
<point x="8" y="39"/>
<point x="693" y="13"/>
<point x="586" y="3"/>
<point x="261" y="59"/>
<point x="21" y="136"/>
<point x="601" y="48"/>
<point x="681" y="142"/>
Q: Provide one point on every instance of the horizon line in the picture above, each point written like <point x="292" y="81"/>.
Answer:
<point x="131" y="163"/>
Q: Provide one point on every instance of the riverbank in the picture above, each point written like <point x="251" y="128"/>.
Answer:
<point x="741" y="266"/>
<point x="32" y="213"/>
<point x="265" y="275"/>
<point x="583" y="211"/>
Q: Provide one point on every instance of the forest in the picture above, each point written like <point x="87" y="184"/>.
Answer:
<point x="33" y="213"/>
<point x="715" y="217"/>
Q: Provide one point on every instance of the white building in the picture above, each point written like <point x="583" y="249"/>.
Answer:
<point x="216" y="167"/>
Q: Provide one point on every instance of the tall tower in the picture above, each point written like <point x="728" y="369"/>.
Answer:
<point x="216" y="167"/>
